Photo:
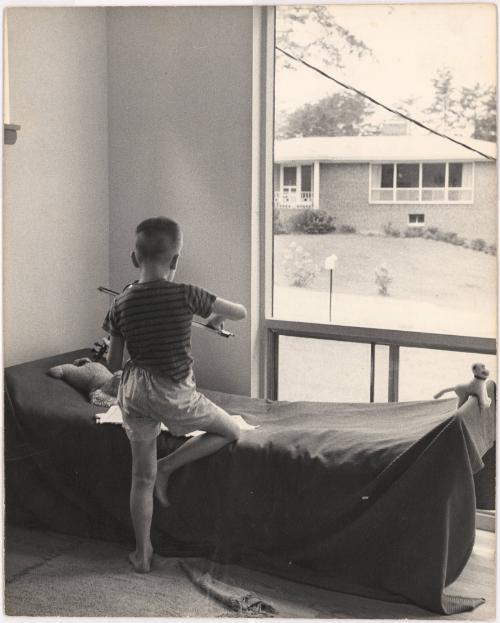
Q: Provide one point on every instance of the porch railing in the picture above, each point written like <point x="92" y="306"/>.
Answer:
<point x="292" y="200"/>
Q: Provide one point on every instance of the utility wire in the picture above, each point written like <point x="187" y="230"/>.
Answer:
<point x="391" y="110"/>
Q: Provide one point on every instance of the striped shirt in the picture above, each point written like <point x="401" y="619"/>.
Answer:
<point x="154" y="318"/>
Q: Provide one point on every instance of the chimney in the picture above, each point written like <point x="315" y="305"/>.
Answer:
<point x="398" y="127"/>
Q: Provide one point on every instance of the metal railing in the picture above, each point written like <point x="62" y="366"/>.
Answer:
<point x="394" y="339"/>
<point x="292" y="200"/>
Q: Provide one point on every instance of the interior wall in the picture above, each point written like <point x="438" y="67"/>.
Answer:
<point x="180" y="139"/>
<point x="56" y="223"/>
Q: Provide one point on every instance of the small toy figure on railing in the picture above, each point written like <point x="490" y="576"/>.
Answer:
<point x="476" y="387"/>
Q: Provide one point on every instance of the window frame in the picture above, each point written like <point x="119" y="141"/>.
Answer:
<point x="416" y="223"/>
<point x="446" y="187"/>
<point x="269" y="328"/>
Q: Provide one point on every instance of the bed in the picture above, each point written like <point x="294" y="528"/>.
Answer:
<point x="371" y="499"/>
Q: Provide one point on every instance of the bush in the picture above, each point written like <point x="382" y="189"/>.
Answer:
<point x="313" y="222"/>
<point x="389" y="230"/>
<point x="434" y="233"/>
<point x="299" y="267"/>
<point x="449" y="236"/>
<point x="414" y="232"/>
<point x="478" y="244"/>
<point x="347" y="229"/>
<point x="278" y="223"/>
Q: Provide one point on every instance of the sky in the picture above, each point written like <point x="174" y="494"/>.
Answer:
<point x="409" y="43"/>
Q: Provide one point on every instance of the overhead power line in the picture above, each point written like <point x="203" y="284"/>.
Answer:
<point x="377" y="103"/>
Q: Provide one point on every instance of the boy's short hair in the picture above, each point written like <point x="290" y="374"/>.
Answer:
<point x="156" y="237"/>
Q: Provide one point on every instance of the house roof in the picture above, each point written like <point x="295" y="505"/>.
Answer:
<point x="378" y="149"/>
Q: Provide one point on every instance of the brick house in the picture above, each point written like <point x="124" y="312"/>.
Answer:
<point x="407" y="180"/>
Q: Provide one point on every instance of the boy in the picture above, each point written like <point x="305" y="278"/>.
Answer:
<point x="153" y="318"/>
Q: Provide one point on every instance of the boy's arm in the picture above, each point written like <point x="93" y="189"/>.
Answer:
<point x="225" y="310"/>
<point x="115" y="353"/>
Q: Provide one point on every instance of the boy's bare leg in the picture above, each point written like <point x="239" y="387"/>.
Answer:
<point x="141" y="502"/>
<point x="222" y="432"/>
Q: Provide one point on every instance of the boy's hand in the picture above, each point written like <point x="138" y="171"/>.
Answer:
<point x="216" y="321"/>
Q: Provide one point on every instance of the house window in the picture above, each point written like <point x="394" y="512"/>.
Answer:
<point x="416" y="220"/>
<point x="428" y="182"/>
<point x="296" y="190"/>
<point x="290" y="179"/>
<point x="306" y="176"/>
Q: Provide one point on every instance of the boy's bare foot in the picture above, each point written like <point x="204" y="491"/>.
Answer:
<point x="141" y="562"/>
<point x="161" y="485"/>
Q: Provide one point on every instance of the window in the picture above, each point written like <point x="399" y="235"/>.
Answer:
<point x="374" y="297"/>
<point x="415" y="220"/>
<point x="428" y="182"/>
<point x="306" y="178"/>
<point x="296" y="187"/>
<point x="290" y="178"/>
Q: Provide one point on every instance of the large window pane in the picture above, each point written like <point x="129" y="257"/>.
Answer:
<point x="433" y="175"/>
<point x="289" y="176"/>
<point x="436" y="272"/>
<point x="407" y="175"/>
<point x="387" y="180"/>
<point x="323" y="370"/>
<point x="455" y="175"/>
<point x="330" y="370"/>
<point x="423" y="372"/>
<point x="306" y="171"/>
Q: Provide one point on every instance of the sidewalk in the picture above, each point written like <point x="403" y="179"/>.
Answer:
<point x="309" y="305"/>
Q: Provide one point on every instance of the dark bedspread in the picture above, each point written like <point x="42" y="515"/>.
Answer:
<point x="376" y="500"/>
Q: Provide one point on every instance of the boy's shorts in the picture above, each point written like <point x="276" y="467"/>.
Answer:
<point x="148" y="399"/>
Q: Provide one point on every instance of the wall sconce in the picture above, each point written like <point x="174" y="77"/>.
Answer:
<point x="10" y="131"/>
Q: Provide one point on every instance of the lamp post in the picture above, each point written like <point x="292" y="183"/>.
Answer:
<point x="330" y="265"/>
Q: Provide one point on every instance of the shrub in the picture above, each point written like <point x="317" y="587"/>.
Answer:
<point x="299" y="267"/>
<point x="347" y="229"/>
<point x="478" y="244"/>
<point x="414" y="232"/>
<point x="432" y="233"/>
<point x="278" y="223"/>
<point x="314" y="222"/>
<point x="449" y="236"/>
<point x="383" y="279"/>
<point x="389" y="230"/>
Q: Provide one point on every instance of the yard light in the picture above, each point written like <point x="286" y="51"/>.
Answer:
<point x="330" y="265"/>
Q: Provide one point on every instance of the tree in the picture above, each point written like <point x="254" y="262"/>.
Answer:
<point x="340" y="114"/>
<point x="443" y="109"/>
<point x="485" y="121"/>
<point x="310" y="32"/>
<point x="468" y="110"/>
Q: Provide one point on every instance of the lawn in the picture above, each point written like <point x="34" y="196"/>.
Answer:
<point x="421" y="270"/>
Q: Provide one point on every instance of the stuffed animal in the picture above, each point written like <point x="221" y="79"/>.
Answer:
<point x="476" y="387"/>
<point x="90" y="377"/>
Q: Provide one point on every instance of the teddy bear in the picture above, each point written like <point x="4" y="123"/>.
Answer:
<point x="475" y="387"/>
<point x="90" y="377"/>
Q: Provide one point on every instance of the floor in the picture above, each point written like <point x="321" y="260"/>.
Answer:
<point x="51" y="574"/>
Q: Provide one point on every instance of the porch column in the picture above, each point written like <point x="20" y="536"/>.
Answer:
<point x="316" y="185"/>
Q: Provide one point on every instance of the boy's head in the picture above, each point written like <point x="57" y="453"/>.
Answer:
<point x="158" y="240"/>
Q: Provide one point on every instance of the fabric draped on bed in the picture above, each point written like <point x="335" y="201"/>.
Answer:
<point x="371" y="499"/>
